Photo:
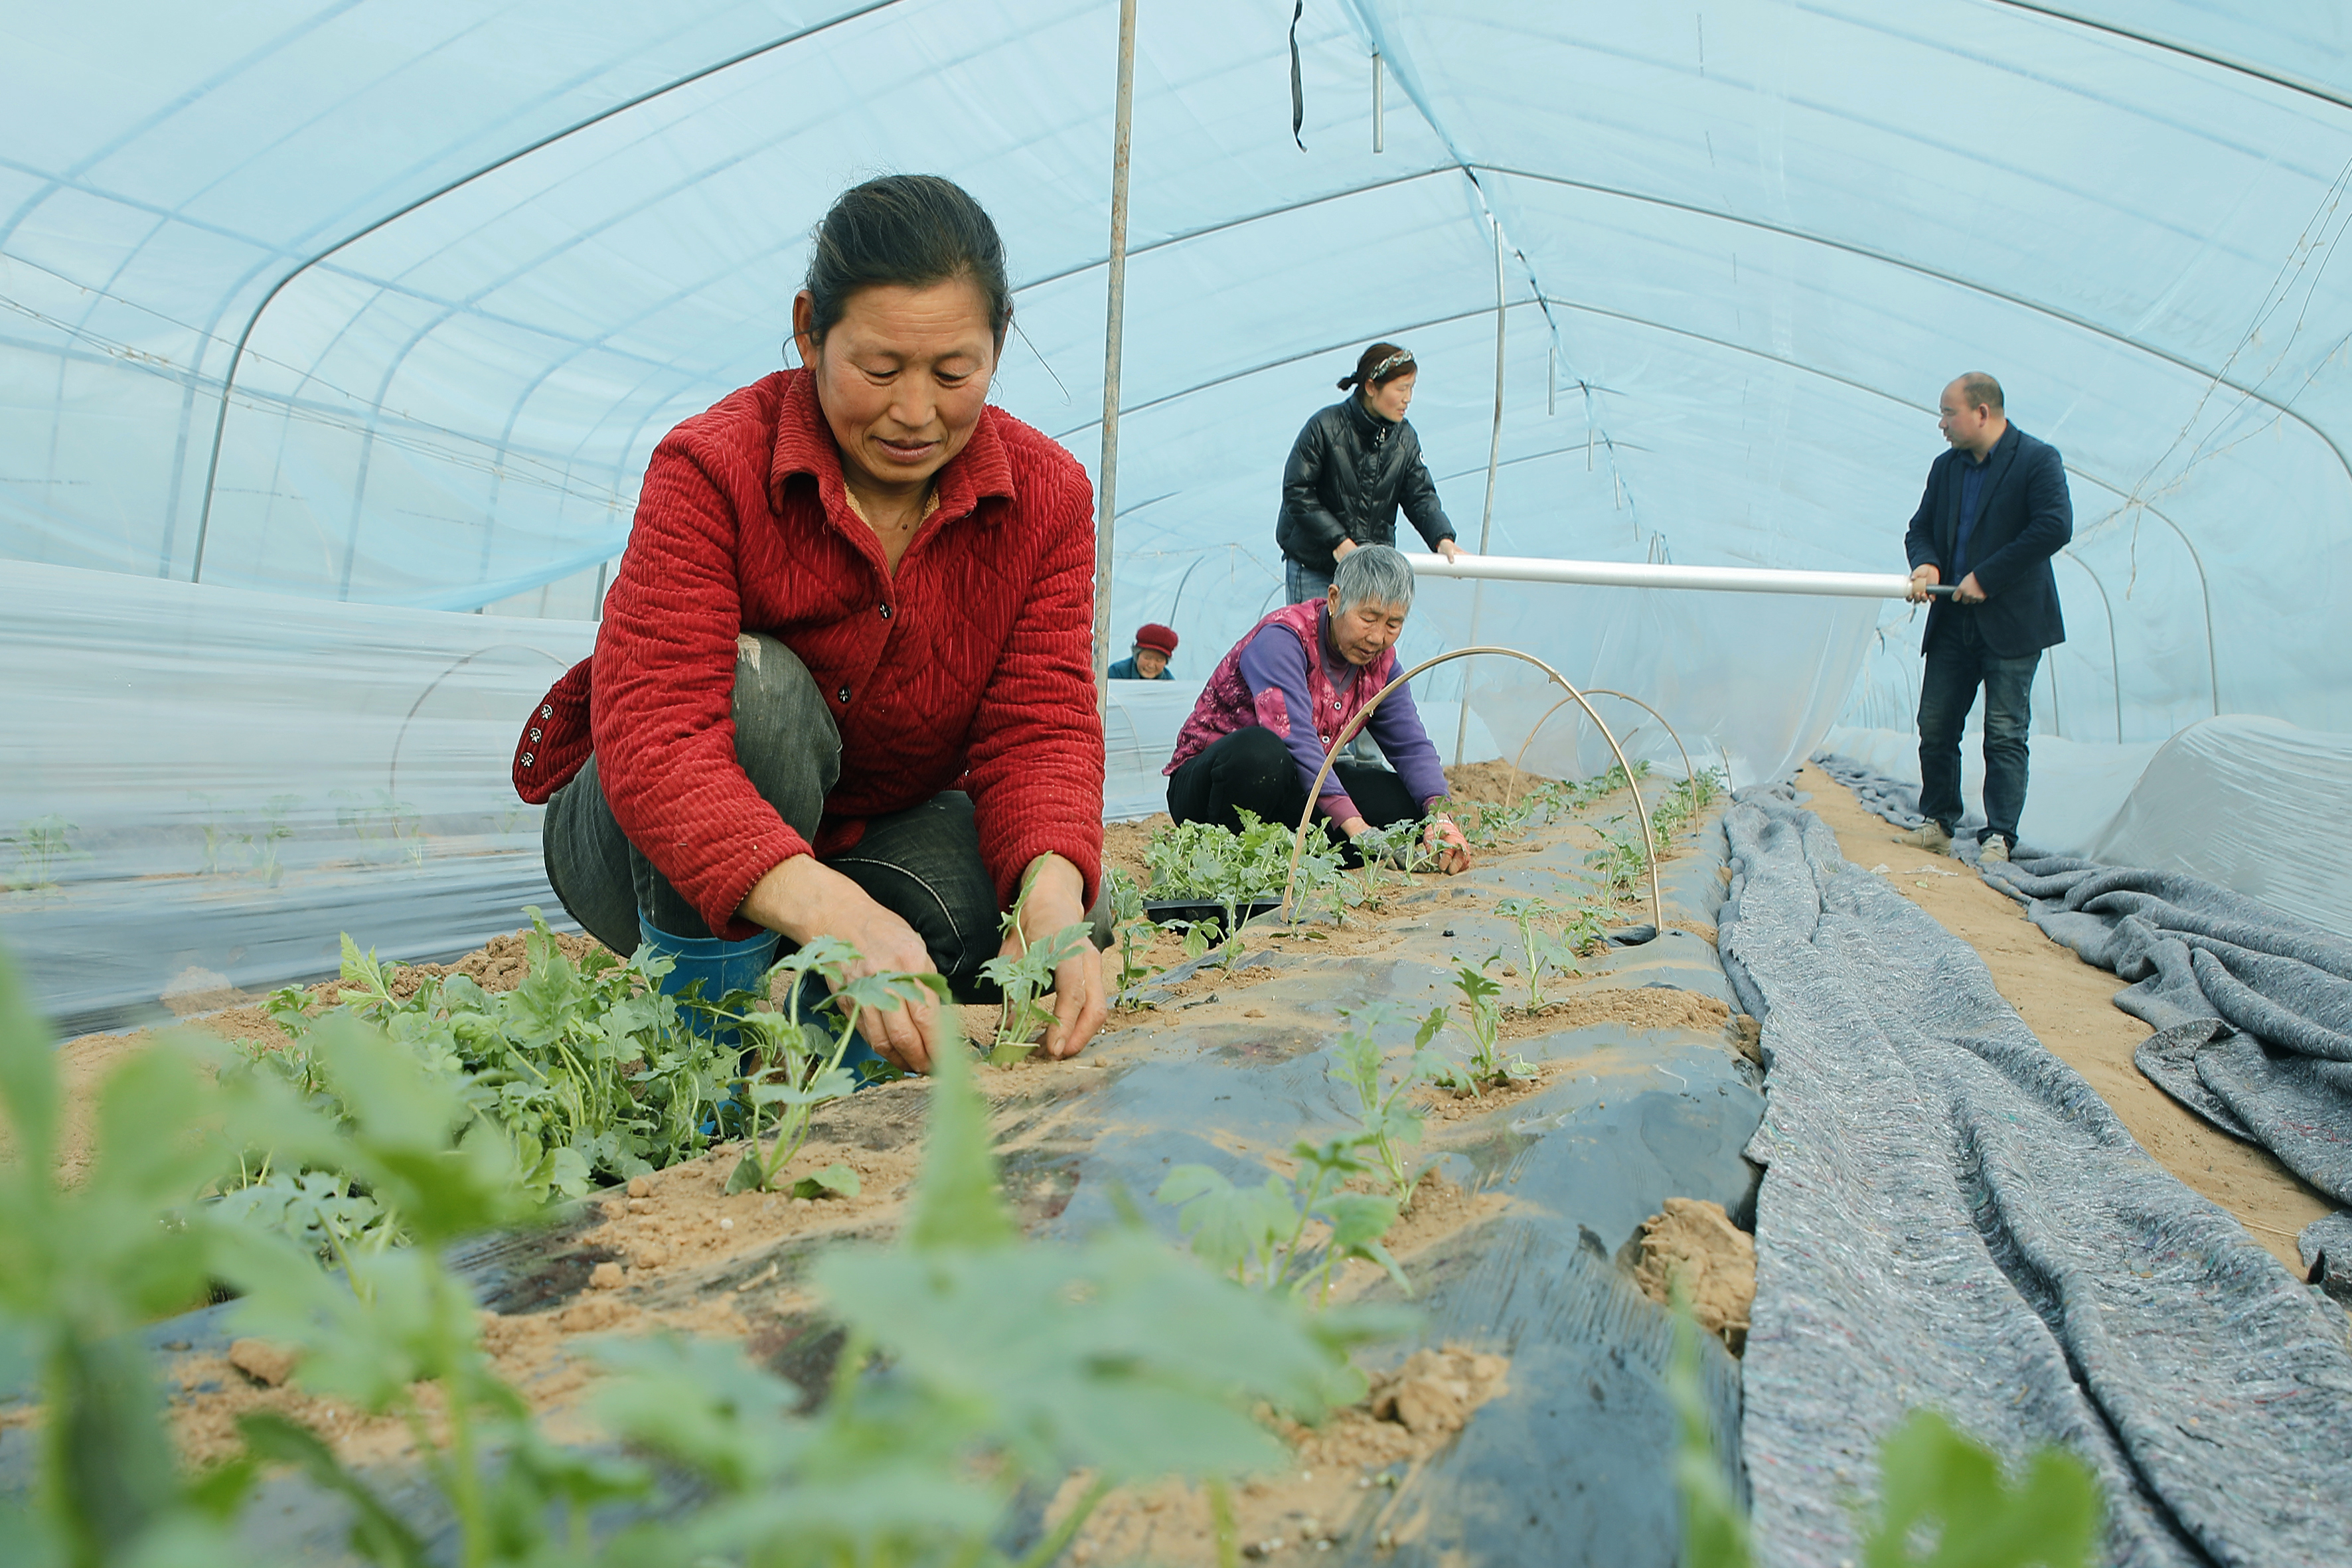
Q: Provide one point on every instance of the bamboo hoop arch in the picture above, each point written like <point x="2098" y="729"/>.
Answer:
<point x="1511" y="788"/>
<point x="1348" y="732"/>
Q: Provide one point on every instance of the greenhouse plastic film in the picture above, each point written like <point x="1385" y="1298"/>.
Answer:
<point x="2253" y="804"/>
<point x="1748" y="681"/>
<point x="205" y="786"/>
<point x="1740" y="260"/>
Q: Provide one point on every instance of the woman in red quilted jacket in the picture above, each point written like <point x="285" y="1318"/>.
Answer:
<point x="844" y="684"/>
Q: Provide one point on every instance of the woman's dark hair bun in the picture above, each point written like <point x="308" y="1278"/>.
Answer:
<point x="910" y="230"/>
<point x="1370" y="361"/>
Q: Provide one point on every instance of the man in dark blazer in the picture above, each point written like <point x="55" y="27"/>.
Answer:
<point x="1995" y="511"/>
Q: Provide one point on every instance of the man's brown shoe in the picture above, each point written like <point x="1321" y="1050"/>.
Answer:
<point x="1993" y="852"/>
<point x="1929" y="836"/>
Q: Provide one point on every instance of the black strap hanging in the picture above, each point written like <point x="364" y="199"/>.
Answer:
<point x="1298" y="92"/>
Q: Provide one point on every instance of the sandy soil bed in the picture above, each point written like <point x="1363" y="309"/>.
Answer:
<point x="2069" y="1005"/>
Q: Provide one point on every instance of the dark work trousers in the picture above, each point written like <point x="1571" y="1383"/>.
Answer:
<point x="1957" y="664"/>
<point x="1301" y="583"/>
<point x="1253" y="770"/>
<point x="922" y="864"/>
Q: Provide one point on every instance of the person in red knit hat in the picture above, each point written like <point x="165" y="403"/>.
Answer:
<point x="1155" y="645"/>
<point x="844" y="683"/>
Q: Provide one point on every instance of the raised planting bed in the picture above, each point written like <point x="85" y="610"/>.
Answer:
<point x="1525" y="1419"/>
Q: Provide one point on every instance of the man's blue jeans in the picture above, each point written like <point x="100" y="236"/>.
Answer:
<point x="1957" y="664"/>
<point x="1301" y="582"/>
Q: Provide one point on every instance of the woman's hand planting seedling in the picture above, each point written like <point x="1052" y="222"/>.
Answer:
<point x="1484" y="1017"/>
<point x="1488" y="824"/>
<point x="1390" y="1117"/>
<point x="1025" y="977"/>
<point x="799" y="1057"/>
<point x="1400" y="846"/>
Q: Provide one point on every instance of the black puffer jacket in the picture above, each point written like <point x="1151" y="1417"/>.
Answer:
<point x="1348" y="472"/>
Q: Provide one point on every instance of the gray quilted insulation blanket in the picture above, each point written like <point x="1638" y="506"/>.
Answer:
<point x="2253" y="1008"/>
<point x="1951" y="1217"/>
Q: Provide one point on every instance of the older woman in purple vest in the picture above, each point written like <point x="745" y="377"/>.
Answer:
<point x="1271" y="709"/>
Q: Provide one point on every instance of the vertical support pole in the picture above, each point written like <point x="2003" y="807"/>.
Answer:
<point x="1106" y="488"/>
<point x="1380" y="119"/>
<point x="1487" y="521"/>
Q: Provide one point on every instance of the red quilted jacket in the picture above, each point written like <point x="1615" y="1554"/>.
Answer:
<point x="971" y="667"/>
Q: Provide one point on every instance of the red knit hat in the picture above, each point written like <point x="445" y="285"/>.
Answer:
<point x="1152" y="635"/>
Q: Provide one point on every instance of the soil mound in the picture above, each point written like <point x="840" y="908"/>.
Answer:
<point x="1494" y="782"/>
<point x="1344" y="1488"/>
<point x="1642" y="1007"/>
<point x="1694" y="1241"/>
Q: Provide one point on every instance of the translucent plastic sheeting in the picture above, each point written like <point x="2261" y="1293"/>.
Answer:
<point x="471" y="261"/>
<point x="1748" y="681"/>
<point x="206" y="786"/>
<point x="2252" y="804"/>
<point x="2072" y="796"/>
<point x="1139" y="728"/>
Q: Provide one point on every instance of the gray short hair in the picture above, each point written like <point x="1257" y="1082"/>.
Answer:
<point x="1373" y="574"/>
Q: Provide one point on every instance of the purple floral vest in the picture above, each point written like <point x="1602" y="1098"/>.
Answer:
<point x="1227" y="704"/>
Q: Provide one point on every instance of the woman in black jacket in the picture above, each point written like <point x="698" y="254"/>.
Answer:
<point x="1351" y="467"/>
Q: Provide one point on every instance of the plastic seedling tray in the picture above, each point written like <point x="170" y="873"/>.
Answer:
<point x="1162" y="911"/>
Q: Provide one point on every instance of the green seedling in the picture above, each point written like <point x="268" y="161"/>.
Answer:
<point x="387" y="819"/>
<point x="1198" y="935"/>
<point x="216" y="837"/>
<point x="266" y="867"/>
<point x="1399" y="847"/>
<point x="324" y="1211"/>
<point x="1542" y="949"/>
<point x="1131" y="925"/>
<point x="1386" y="1110"/>
<point x="1200" y="860"/>
<point x="1488" y="824"/>
<point x="1484" y="1016"/>
<point x="126" y="1243"/>
<point x="1682" y="806"/>
<point x="1620" y="865"/>
<point x="1259" y="1235"/>
<point x="1009" y="1365"/>
<point x="1025" y="977"/>
<point x="1584" y="934"/>
<point x="587" y="1070"/>
<point x="43" y="845"/>
<point x="798" y="1057"/>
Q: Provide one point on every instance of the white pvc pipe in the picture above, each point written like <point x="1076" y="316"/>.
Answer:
<point x="1644" y="574"/>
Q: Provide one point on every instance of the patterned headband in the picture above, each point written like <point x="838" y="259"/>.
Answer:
<point x="1401" y="357"/>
